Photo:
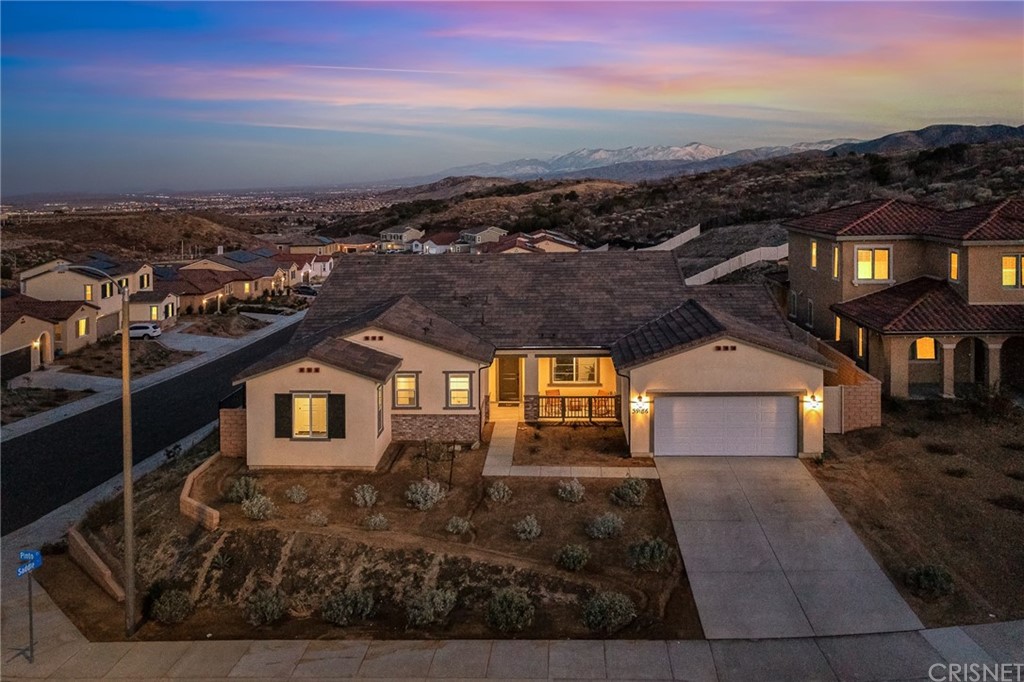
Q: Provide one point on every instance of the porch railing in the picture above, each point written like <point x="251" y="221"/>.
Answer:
<point x="579" y="407"/>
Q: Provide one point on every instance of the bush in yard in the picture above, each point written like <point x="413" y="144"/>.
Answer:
<point x="929" y="581"/>
<point x="630" y="493"/>
<point x="527" y="528"/>
<point x="258" y="507"/>
<point x="430" y="606"/>
<point x="264" y="607"/>
<point x="510" y="610"/>
<point x="348" y="606"/>
<point x="608" y="612"/>
<point x="376" y="522"/>
<point x="243" y="489"/>
<point x="172" y="606"/>
<point x="364" y="495"/>
<point x="607" y="525"/>
<point x="316" y="518"/>
<point x="297" y="494"/>
<point x="572" y="557"/>
<point x="649" y="554"/>
<point x="457" y="525"/>
<point x="423" y="495"/>
<point x="499" y="492"/>
<point x="571" y="491"/>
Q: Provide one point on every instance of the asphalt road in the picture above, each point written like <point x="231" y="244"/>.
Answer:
<point x="49" y="467"/>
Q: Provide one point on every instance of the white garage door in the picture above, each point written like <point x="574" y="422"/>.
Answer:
<point x="728" y="425"/>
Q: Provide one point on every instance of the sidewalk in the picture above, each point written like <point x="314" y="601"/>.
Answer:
<point x="113" y="392"/>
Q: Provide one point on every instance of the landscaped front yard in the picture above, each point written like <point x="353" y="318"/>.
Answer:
<point x="230" y="325"/>
<point x="574" y="445"/>
<point x="18" y="403"/>
<point x="942" y="484"/>
<point x="103" y="358"/>
<point x="310" y="550"/>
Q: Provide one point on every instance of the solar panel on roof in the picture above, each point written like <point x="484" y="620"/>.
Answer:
<point x="241" y="256"/>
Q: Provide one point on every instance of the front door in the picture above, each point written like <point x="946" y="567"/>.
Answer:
<point x="508" y="379"/>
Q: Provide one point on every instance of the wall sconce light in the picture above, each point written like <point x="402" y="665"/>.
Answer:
<point x="35" y="344"/>
<point x="813" y="402"/>
<point x="640" y="405"/>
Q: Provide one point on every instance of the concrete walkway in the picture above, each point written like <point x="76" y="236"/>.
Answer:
<point x="769" y="556"/>
<point x="503" y="443"/>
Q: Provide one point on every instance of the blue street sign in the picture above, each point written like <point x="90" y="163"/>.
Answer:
<point x="32" y="559"/>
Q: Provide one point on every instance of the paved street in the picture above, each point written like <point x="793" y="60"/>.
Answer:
<point x="768" y="555"/>
<point x="49" y="466"/>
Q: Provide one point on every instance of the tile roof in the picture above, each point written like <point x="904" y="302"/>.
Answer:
<point x="16" y="305"/>
<point x="198" y="281"/>
<point x="299" y="259"/>
<point x="929" y="305"/>
<point x="357" y="239"/>
<point x="997" y="221"/>
<point x="480" y="230"/>
<point x="544" y="301"/>
<point x="154" y="296"/>
<point x="330" y="350"/>
<point x="694" y="324"/>
<point x="441" y="238"/>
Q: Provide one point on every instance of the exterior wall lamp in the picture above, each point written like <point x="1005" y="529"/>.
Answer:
<point x="641" y="404"/>
<point x="813" y="402"/>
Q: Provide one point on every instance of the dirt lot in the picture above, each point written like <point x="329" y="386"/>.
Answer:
<point x="414" y="553"/>
<point x="939" y="483"/>
<point x="229" y="325"/>
<point x="103" y="358"/>
<point x="569" y="445"/>
<point x="18" y="403"/>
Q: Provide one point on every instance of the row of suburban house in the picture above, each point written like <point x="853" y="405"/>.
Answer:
<point x="476" y="240"/>
<point x="66" y="304"/>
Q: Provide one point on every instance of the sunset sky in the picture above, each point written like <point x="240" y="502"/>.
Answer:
<point x="120" y="96"/>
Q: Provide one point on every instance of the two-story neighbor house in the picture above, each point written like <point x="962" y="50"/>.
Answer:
<point x="482" y="235"/>
<point x="51" y="282"/>
<point x="927" y="301"/>
<point x="357" y="243"/>
<point x="398" y="239"/>
<point x="34" y="331"/>
<point x="407" y="348"/>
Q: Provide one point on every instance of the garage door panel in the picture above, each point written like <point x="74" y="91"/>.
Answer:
<point x="725" y="426"/>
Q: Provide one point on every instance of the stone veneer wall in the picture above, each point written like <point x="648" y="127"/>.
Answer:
<point x="461" y="428"/>
<point x="232" y="432"/>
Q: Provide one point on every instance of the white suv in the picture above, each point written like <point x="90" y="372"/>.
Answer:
<point x="144" y="330"/>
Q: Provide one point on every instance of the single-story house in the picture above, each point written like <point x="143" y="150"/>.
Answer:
<point x="32" y="331"/>
<point x="154" y="306"/>
<point x="438" y="243"/>
<point x="435" y="348"/>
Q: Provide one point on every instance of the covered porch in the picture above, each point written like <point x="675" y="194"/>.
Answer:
<point x="574" y="385"/>
<point x="949" y="366"/>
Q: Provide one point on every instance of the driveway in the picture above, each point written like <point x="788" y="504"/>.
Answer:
<point x="768" y="555"/>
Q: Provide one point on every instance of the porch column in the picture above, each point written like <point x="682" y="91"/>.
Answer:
<point x="897" y="349"/>
<point x="531" y="391"/>
<point x="948" y="369"/>
<point x="995" y="347"/>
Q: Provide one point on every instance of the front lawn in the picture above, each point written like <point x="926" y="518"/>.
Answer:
<point x="18" y="403"/>
<point x="103" y="358"/>
<point x="574" y="445"/>
<point x="307" y="559"/>
<point x="939" y="483"/>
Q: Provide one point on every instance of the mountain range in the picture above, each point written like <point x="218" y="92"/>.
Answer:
<point x="634" y="164"/>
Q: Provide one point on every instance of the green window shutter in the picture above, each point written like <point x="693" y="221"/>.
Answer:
<point x="336" y="415"/>
<point x="282" y="415"/>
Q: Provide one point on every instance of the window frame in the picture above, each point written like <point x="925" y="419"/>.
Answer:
<point x="309" y="395"/>
<point x="873" y="279"/>
<point x="106" y="290"/>
<point x="835" y="261"/>
<point x="1018" y="265"/>
<point x="953" y="265"/>
<point x="793" y="302"/>
<point x="915" y="357"/>
<point x="144" y="281"/>
<point x="81" y="327"/>
<point x="416" y="391"/>
<point x="839" y="328"/>
<point x="87" y="292"/>
<point x="814" y="254"/>
<point x="448" y="405"/>
<point x="380" y="409"/>
<point x="596" y="381"/>
<point x="860" y="342"/>
<point x="123" y="283"/>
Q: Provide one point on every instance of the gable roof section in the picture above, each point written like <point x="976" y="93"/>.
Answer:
<point x="441" y="238"/>
<point x="332" y="351"/>
<point x="354" y="239"/>
<point x="17" y="305"/>
<point x="998" y="221"/>
<point x="877" y="217"/>
<point x="927" y="305"/>
<point x="155" y="296"/>
<point x="693" y="324"/>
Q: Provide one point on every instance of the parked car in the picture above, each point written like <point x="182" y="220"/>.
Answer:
<point x="144" y="330"/>
<point x="304" y="290"/>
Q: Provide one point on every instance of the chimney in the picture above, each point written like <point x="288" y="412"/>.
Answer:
<point x="220" y="250"/>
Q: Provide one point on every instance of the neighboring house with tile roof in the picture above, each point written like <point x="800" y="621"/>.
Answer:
<point x="397" y="239"/>
<point x="52" y="282"/>
<point x="482" y="234"/>
<point x="357" y="243"/>
<point x="259" y="274"/>
<point x="436" y="244"/>
<point x="154" y="306"/>
<point x="436" y="347"/>
<point x="928" y="301"/>
<point x="33" y="331"/>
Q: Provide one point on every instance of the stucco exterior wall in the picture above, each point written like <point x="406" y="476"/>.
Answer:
<point x="431" y="364"/>
<point x="985" y="265"/>
<point x="70" y="286"/>
<point x="361" y="447"/>
<point x="748" y="369"/>
<point x="605" y="375"/>
<point x="23" y="333"/>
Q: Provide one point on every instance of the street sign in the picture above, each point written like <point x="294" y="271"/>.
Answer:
<point x="31" y="555"/>
<point x="32" y="559"/>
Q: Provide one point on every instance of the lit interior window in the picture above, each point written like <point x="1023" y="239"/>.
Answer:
<point x="405" y="390"/>
<point x="954" y="265"/>
<point x="458" y="390"/>
<point x="309" y="415"/>
<point x="154" y="312"/>
<point x="814" y="255"/>
<point x="835" y="262"/>
<point x="839" y="328"/>
<point x="82" y="327"/>
<point x="873" y="264"/>
<point x="860" y="342"/>
<point x="1011" y="271"/>
<point x="924" y="349"/>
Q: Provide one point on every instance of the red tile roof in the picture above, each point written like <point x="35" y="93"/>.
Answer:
<point x="299" y="259"/>
<point x="929" y="305"/>
<point x="1001" y="220"/>
<point x="441" y="238"/>
<point x="15" y="306"/>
